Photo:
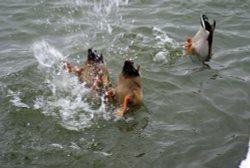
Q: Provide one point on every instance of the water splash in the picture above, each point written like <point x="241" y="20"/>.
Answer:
<point x="72" y="16"/>
<point x="45" y="54"/>
<point x="161" y="56"/>
<point x="171" y="49"/>
<point x="106" y="13"/>
<point x="102" y="14"/>
<point x="74" y="105"/>
<point x="162" y="38"/>
<point x="16" y="100"/>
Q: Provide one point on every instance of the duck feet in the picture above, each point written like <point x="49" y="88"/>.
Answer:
<point x="120" y="111"/>
<point x="108" y="95"/>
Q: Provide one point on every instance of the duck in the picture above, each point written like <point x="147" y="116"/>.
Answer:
<point x="201" y="44"/>
<point x="94" y="72"/>
<point x="128" y="89"/>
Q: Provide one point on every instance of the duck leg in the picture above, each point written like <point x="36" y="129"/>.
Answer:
<point x="95" y="84"/>
<point x="120" y="111"/>
<point x="70" y="68"/>
<point x="189" y="45"/>
<point x="108" y="95"/>
<point x="206" y="65"/>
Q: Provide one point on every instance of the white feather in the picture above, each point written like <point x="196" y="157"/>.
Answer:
<point x="200" y="45"/>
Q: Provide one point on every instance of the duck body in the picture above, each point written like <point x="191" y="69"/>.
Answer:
<point x="91" y="73"/>
<point x="129" y="88"/>
<point x="94" y="72"/>
<point x="200" y="45"/>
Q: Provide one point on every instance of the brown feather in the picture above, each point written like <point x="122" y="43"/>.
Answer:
<point x="129" y="86"/>
<point x="92" y="69"/>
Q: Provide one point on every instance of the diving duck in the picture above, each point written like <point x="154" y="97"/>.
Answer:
<point x="129" y="88"/>
<point x="201" y="44"/>
<point x="94" y="72"/>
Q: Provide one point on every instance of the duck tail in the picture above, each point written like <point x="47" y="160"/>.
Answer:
<point x="205" y="23"/>
<point x="214" y="25"/>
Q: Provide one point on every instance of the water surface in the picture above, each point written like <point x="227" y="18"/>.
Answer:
<point x="192" y="116"/>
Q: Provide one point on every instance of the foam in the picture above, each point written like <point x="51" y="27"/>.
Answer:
<point x="16" y="100"/>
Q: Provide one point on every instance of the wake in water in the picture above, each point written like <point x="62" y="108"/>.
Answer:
<point x="171" y="49"/>
<point x="75" y="106"/>
<point x="149" y="41"/>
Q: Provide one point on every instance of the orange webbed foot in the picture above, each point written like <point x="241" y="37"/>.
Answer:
<point x="108" y="95"/>
<point x="95" y="85"/>
<point x="120" y="111"/>
<point x="69" y="68"/>
<point x="189" y="45"/>
<point x="66" y="66"/>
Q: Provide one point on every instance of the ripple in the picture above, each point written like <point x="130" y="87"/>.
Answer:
<point x="196" y="116"/>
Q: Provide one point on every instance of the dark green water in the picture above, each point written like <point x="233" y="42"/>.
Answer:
<point x="191" y="117"/>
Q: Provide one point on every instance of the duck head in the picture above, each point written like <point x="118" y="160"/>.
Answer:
<point x="129" y="70"/>
<point x="93" y="57"/>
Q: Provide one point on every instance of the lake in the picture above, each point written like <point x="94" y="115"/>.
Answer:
<point x="191" y="117"/>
